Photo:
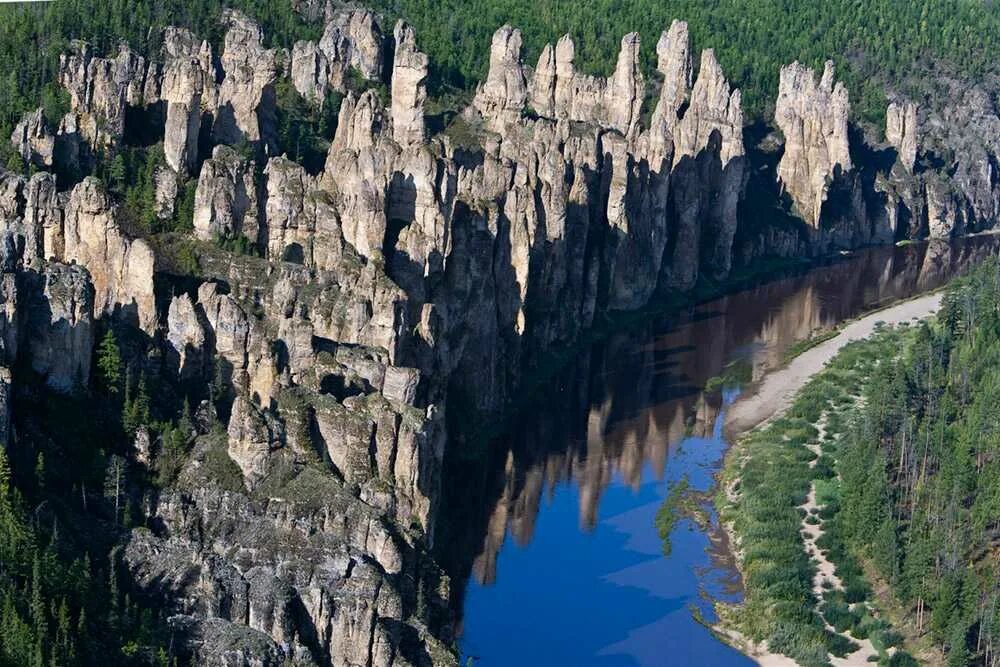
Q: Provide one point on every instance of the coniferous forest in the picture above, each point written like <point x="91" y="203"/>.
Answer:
<point x="896" y="442"/>
<point x="910" y="472"/>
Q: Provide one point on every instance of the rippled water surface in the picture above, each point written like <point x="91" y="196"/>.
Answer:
<point x="550" y="537"/>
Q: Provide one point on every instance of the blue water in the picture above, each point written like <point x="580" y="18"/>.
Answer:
<point x="579" y="478"/>
<point x="609" y="596"/>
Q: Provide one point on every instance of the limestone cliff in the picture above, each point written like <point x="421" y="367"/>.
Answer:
<point x="412" y="274"/>
<point x="901" y="131"/>
<point x="812" y="116"/>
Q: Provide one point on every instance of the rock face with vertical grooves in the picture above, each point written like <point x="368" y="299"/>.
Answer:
<point x="901" y="131"/>
<point x="409" y="91"/>
<point x="410" y="272"/>
<point x="812" y="116"/>
<point x="183" y="83"/>
<point x="100" y="89"/>
<point x="33" y="140"/>
<point x="501" y="97"/>
<point x="121" y="267"/>
<point x="225" y="202"/>
<point x="246" y="104"/>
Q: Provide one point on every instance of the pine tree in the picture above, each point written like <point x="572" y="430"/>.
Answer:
<point x="136" y="410"/>
<point x="39" y="616"/>
<point x="109" y="363"/>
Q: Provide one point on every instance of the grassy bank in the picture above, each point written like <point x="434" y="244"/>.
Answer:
<point x="867" y="516"/>
<point x="765" y="483"/>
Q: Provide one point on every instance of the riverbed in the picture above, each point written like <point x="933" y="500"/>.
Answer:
<point x="551" y="542"/>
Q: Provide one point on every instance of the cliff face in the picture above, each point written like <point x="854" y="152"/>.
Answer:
<point x="812" y="115"/>
<point x="413" y="274"/>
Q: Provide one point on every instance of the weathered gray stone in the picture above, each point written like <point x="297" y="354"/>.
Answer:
<point x="813" y="117"/>
<point x="409" y="92"/>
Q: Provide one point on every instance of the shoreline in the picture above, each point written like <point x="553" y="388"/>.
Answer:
<point x="772" y="395"/>
<point x="771" y="398"/>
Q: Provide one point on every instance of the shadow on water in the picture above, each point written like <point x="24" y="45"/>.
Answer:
<point x="550" y="537"/>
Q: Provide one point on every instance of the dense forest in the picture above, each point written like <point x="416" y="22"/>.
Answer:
<point x="921" y="473"/>
<point x="897" y="443"/>
<point x="873" y="42"/>
<point x="68" y="495"/>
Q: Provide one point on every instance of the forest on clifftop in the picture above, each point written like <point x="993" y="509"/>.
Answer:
<point x="872" y="42"/>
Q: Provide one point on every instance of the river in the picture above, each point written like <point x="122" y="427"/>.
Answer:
<point x="549" y="536"/>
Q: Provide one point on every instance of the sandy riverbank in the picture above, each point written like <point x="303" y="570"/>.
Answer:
<point x="777" y="390"/>
<point x="772" y="396"/>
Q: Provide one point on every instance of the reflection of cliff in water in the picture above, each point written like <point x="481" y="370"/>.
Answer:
<point x="625" y="401"/>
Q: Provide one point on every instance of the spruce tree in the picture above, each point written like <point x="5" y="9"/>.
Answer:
<point x="109" y="363"/>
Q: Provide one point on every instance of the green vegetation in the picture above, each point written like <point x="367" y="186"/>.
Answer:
<point x="69" y="494"/>
<point x="670" y="512"/>
<point x="735" y="374"/>
<point x="921" y="473"/>
<point x="32" y="36"/>
<point x="305" y="130"/>
<point x="873" y="42"/>
<point x="752" y="38"/>
<point x="770" y="474"/>
<point x="907" y="486"/>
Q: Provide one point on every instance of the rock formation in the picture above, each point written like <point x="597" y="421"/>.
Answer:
<point x="121" y="268"/>
<point x="310" y="71"/>
<point x="409" y="92"/>
<point x="901" y="131"/>
<point x="812" y="116"/>
<point x="100" y="89"/>
<point x="501" y="98"/>
<point x="33" y="140"/>
<point x="352" y="40"/>
<point x="225" y="202"/>
<point x="411" y="274"/>
<point x="59" y="331"/>
<point x="557" y="91"/>
<point x="246" y="96"/>
<point x="183" y="82"/>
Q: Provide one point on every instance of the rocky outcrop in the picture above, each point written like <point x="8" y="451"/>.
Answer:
<point x="673" y="58"/>
<point x="901" y="131"/>
<point x="624" y="92"/>
<point x="557" y="91"/>
<point x="292" y="206"/>
<point x="225" y="202"/>
<point x="312" y="575"/>
<point x="46" y="324"/>
<point x="501" y="98"/>
<point x="412" y="273"/>
<point x="33" y="140"/>
<point x="714" y="107"/>
<point x="352" y="41"/>
<point x="31" y="212"/>
<point x="246" y="104"/>
<point x="99" y="90"/>
<point x="181" y="89"/>
<point x="409" y="91"/>
<point x="58" y="332"/>
<point x="186" y="338"/>
<point x="121" y="268"/>
<point x="812" y="116"/>
<point x="310" y="71"/>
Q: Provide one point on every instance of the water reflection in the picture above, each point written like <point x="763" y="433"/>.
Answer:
<point x="550" y="537"/>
